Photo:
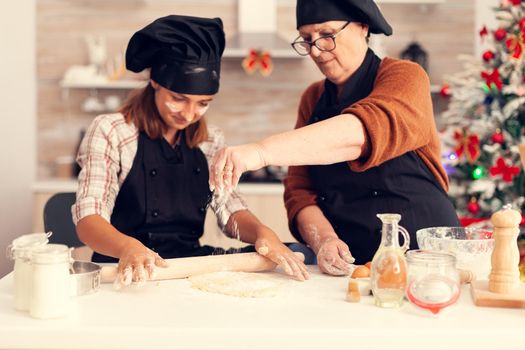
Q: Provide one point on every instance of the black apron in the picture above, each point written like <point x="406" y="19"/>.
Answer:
<point x="164" y="199"/>
<point x="404" y="185"/>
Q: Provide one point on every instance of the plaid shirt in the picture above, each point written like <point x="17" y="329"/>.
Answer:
<point x="106" y="156"/>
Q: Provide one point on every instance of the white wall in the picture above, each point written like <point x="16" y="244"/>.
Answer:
<point x="485" y="16"/>
<point x="18" y="121"/>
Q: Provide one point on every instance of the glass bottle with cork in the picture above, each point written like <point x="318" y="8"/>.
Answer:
<point x="388" y="274"/>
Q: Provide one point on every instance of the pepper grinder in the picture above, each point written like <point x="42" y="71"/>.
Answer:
<point x="504" y="288"/>
<point x="505" y="275"/>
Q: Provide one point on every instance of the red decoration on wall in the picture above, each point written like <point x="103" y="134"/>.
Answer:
<point x="488" y="55"/>
<point x="468" y="146"/>
<point x="500" y="34"/>
<point x="492" y="78"/>
<point x="507" y="172"/>
<point x="483" y="32"/>
<point x="257" y="59"/>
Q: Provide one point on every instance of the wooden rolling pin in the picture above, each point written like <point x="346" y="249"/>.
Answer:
<point x="185" y="267"/>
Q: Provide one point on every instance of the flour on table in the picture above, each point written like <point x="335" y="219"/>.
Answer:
<point x="239" y="284"/>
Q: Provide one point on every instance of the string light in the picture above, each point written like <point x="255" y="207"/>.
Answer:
<point x="477" y="173"/>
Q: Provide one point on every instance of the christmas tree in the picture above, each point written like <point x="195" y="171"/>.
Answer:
<point x="486" y="118"/>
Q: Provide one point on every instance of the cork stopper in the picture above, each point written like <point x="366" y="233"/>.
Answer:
<point x="506" y="217"/>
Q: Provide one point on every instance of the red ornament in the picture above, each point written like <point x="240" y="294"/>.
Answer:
<point x="483" y="32"/>
<point x="515" y="2"/>
<point x="500" y="34"/>
<point x="492" y="78"/>
<point x="522" y="23"/>
<point x="497" y="137"/>
<point x="507" y="172"/>
<point x="468" y="146"/>
<point x="488" y="55"/>
<point x="473" y="206"/>
<point x="257" y="59"/>
<point x="445" y="90"/>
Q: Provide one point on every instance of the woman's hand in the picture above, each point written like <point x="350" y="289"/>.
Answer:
<point x="229" y="163"/>
<point x="269" y="245"/>
<point x="334" y="257"/>
<point x="136" y="264"/>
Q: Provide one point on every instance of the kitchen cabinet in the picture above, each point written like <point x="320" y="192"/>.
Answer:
<point x="304" y="315"/>
<point x="264" y="200"/>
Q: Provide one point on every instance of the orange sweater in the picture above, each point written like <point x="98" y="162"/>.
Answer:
<point x="397" y="118"/>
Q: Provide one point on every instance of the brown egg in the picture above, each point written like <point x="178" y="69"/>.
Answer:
<point x="361" y="271"/>
<point x="369" y="265"/>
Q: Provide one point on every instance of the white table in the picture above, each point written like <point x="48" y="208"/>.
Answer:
<point x="309" y="315"/>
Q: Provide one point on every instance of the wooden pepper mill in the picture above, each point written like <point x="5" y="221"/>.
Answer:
<point x="505" y="275"/>
<point x="504" y="288"/>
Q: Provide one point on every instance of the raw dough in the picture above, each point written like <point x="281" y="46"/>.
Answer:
<point x="239" y="284"/>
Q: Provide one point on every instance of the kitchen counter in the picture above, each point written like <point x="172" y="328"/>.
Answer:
<point x="306" y="315"/>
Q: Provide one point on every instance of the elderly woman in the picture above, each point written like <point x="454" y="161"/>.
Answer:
<point x="365" y="141"/>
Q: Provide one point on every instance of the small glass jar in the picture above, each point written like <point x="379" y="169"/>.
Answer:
<point x="433" y="280"/>
<point x="50" y="297"/>
<point x="20" y="252"/>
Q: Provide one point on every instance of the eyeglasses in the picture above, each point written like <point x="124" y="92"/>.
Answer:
<point x="324" y="43"/>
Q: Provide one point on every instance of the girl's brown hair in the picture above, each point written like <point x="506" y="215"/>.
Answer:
<point x="140" y="108"/>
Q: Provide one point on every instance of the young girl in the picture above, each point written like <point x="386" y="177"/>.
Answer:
<point x="143" y="188"/>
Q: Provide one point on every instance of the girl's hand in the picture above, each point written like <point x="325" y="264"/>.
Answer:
<point x="269" y="245"/>
<point x="136" y="264"/>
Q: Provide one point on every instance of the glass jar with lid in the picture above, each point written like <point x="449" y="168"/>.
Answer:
<point x="50" y="297"/>
<point x="433" y="280"/>
<point x="20" y="252"/>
